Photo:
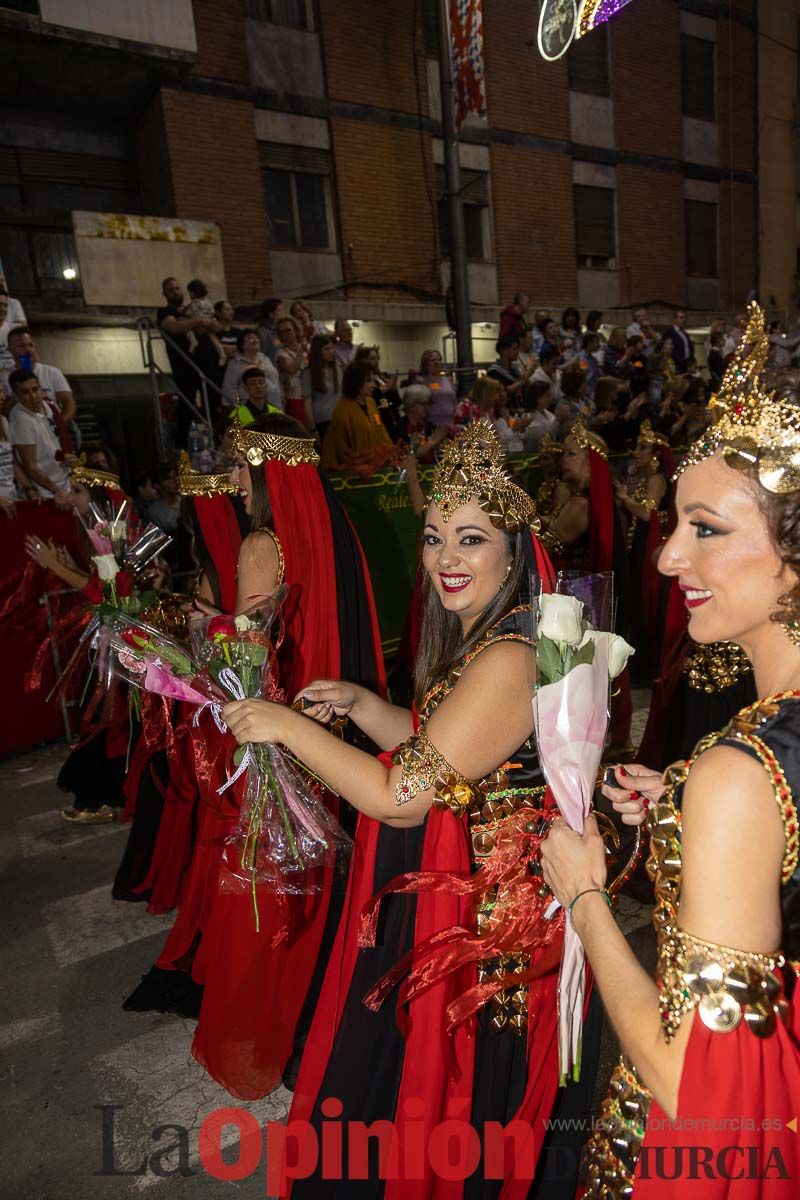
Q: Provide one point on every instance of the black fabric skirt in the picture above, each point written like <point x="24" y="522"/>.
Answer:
<point x="366" y="1062"/>
<point x="91" y="777"/>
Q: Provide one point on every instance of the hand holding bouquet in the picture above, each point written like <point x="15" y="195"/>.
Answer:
<point x="576" y="661"/>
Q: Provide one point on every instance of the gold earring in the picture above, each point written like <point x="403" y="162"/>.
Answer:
<point x="793" y="631"/>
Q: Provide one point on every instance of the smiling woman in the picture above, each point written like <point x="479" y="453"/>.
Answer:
<point x="444" y="899"/>
<point x="724" y="838"/>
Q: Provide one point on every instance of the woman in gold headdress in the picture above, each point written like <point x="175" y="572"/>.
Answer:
<point x="705" y="1100"/>
<point x="443" y="900"/>
<point x="643" y="501"/>
<point x="584" y="535"/>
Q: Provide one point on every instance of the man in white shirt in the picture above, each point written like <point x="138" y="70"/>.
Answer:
<point x="54" y="386"/>
<point x="35" y="438"/>
<point x="11" y="314"/>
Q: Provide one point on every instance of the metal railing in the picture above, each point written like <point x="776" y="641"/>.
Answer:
<point x="148" y="335"/>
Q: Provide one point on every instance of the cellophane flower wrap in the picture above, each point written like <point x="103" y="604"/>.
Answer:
<point x="285" y="833"/>
<point x="576" y="657"/>
<point x="122" y="550"/>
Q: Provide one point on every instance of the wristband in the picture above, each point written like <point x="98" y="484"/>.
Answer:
<point x="586" y="892"/>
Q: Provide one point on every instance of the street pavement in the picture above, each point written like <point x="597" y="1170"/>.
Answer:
<point x="74" y="1066"/>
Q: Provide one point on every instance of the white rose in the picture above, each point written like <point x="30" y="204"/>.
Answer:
<point x="560" y="619"/>
<point x="618" y="650"/>
<point x="242" y="623"/>
<point x="107" y="566"/>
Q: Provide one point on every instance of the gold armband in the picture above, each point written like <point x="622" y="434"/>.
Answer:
<point x="423" y="768"/>
<point x="726" y="986"/>
<point x="552" y="544"/>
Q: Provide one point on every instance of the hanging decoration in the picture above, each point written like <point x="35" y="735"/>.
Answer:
<point x="597" y="12"/>
<point x="562" y="21"/>
<point x="466" y="42"/>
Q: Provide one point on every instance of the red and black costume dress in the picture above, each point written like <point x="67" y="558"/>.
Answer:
<point x="441" y="987"/>
<point x="161" y="788"/>
<point x="255" y="984"/>
<point x="739" y="1092"/>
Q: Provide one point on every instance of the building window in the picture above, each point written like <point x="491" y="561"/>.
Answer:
<point x="588" y="64"/>
<point x="701" y="239"/>
<point x="297" y="195"/>
<point x="297" y="210"/>
<point x="296" y="14"/>
<point x="698" y="85"/>
<point x="428" y="15"/>
<point x="595" y="227"/>
<point x="477" y="214"/>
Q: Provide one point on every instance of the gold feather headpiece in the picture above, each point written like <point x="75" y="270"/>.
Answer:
<point x="193" y="483"/>
<point x="472" y="468"/>
<point x="258" y="447"/>
<point x="754" y="427"/>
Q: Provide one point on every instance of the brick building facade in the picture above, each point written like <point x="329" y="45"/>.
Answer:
<point x="309" y="130"/>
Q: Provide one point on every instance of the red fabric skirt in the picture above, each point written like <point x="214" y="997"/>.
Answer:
<point x="731" y="1140"/>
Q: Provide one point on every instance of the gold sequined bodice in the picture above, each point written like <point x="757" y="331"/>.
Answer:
<point x="728" y="987"/>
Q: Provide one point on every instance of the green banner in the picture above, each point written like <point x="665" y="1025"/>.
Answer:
<point x="381" y="511"/>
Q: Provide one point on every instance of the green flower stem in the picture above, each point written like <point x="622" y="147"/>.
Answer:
<point x="249" y="859"/>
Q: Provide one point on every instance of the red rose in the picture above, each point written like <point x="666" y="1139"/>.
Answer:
<point x="124" y="583"/>
<point x="137" y="638"/>
<point x="93" y="590"/>
<point x="223" y="625"/>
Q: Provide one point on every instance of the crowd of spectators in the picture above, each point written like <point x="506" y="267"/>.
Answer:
<point x="549" y="370"/>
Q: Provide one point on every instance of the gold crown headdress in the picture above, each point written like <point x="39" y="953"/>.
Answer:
<point x="549" y="445"/>
<point x="586" y="439"/>
<point x="649" y="437"/>
<point x="753" y="425"/>
<point x="193" y="483"/>
<point x="258" y="447"/>
<point x="93" y="476"/>
<point x="472" y="468"/>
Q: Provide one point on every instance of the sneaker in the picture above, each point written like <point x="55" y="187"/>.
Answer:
<point x="86" y="816"/>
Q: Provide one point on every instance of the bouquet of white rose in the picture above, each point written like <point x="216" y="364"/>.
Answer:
<point x="576" y="657"/>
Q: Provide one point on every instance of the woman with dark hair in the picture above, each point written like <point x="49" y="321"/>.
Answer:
<point x="356" y="439"/>
<point x="161" y="786"/>
<point x="442" y="898"/>
<point x="321" y="384"/>
<point x="644" y="498"/>
<point x="585" y="535"/>
<point x="302" y="543"/>
<point x="712" y="1043"/>
<point x="594" y="321"/>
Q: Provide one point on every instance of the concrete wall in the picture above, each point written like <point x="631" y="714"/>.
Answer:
<point x="123" y="259"/>
<point x="778" y="149"/>
<point x="167" y="23"/>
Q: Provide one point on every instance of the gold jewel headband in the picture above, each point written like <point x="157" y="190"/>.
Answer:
<point x="472" y="468"/>
<point x="93" y="476"/>
<point x="586" y="439"/>
<point x="753" y="426"/>
<point x="193" y="483"/>
<point x="649" y="437"/>
<point x="258" y="447"/>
